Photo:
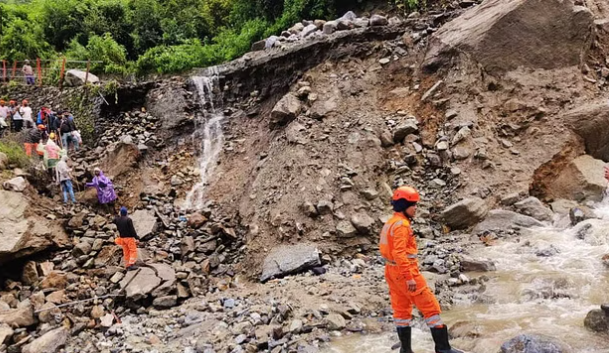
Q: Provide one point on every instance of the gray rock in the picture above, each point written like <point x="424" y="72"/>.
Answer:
<point x="471" y="265"/>
<point x="363" y="223"/>
<point x="286" y="110"/>
<point x="325" y="207"/>
<point x="370" y="194"/>
<point x="145" y="222"/>
<point x="532" y="206"/>
<point x="77" y="78"/>
<point x="350" y="15"/>
<point x="297" y="28"/>
<point x="168" y="277"/>
<point x="503" y="220"/>
<point x="336" y="322"/>
<point x="597" y="321"/>
<point x="296" y="326"/>
<point x="308" y="30"/>
<point x="309" y="209"/>
<point x="82" y="248"/>
<point x="165" y="302"/>
<point x="288" y="259"/>
<point x="581" y="180"/>
<point x="139" y="283"/>
<point x="511" y="199"/>
<point x="378" y="20"/>
<point x="405" y="129"/>
<point x="6" y="332"/>
<point x="50" y="342"/>
<point x="361" y="22"/>
<point x="465" y="213"/>
<point x="330" y="27"/>
<point x="579" y="214"/>
<point x="526" y="343"/>
<point x="345" y="229"/>
<point x="562" y="206"/>
<point x="17" y="184"/>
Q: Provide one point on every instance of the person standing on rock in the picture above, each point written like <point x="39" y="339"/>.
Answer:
<point x="67" y="129"/>
<point x="28" y="72"/>
<point x="127" y="238"/>
<point x="64" y="178"/>
<point x="26" y="113"/>
<point x="407" y="287"/>
<point x="16" y="117"/>
<point x="104" y="186"/>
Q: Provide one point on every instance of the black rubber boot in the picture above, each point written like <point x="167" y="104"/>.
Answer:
<point x="405" y="335"/>
<point x="440" y="337"/>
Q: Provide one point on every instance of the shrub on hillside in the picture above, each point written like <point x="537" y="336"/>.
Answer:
<point x="15" y="153"/>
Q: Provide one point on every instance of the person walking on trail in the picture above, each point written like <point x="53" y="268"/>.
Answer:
<point x="127" y="238"/>
<point x="28" y="72"/>
<point x="26" y="113"/>
<point x="33" y="138"/>
<point x="64" y="178"/>
<point x="104" y="186"/>
<point x="407" y="286"/>
<point x="67" y="129"/>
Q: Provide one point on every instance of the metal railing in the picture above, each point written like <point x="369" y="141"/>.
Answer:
<point x="14" y="72"/>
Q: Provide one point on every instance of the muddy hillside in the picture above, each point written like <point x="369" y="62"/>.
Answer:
<point x="258" y="190"/>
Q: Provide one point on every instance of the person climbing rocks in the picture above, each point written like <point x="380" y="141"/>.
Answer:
<point x="407" y="287"/>
<point x="105" y="188"/>
<point x="67" y="129"/>
<point x="51" y="154"/>
<point x="64" y="179"/>
<point x="127" y="238"/>
<point x="33" y="138"/>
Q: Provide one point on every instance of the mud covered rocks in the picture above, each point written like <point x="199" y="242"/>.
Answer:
<point x="285" y="260"/>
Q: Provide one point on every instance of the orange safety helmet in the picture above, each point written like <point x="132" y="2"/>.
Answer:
<point x="41" y="127"/>
<point x="407" y="193"/>
<point x="2" y="101"/>
<point x="12" y="102"/>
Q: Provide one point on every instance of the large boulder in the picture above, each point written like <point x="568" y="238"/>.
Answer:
<point x="50" y="342"/>
<point x="465" y="213"/>
<point x="503" y="35"/>
<point x="77" y="78"/>
<point x="363" y="223"/>
<point x="591" y="123"/>
<point x="581" y="180"/>
<point x="288" y="259"/>
<point x="17" y="184"/>
<point x="531" y="206"/>
<point x="145" y="223"/>
<point x="22" y="316"/>
<point x="22" y="237"/>
<point x="526" y="343"/>
<point x="503" y="220"/>
<point x="286" y="110"/>
<point x="138" y="284"/>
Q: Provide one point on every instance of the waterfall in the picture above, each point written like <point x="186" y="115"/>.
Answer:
<point x="210" y="131"/>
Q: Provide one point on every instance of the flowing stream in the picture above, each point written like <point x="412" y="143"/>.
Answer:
<point x="527" y="294"/>
<point x="212" y="136"/>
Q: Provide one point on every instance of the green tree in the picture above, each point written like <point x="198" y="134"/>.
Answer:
<point x="111" y="16"/>
<point x="63" y="20"/>
<point x="146" y="23"/>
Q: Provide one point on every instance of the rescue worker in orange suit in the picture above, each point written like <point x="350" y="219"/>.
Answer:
<point x="407" y="287"/>
<point x="127" y="238"/>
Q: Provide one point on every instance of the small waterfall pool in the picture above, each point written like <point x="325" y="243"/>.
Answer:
<point x="548" y="295"/>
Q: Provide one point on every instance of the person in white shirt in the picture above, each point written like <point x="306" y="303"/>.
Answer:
<point x="4" y="111"/>
<point x="26" y="113"/>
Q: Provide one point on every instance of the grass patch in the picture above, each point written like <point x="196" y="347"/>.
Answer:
<point x="15" y="153"/>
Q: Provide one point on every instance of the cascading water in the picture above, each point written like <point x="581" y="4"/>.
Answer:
<point x="212" y="136"/>
<point x="547" y="295"/>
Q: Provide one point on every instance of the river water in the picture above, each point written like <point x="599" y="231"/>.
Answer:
<point x="527" y="294"/>
<point x="210" y="134"/>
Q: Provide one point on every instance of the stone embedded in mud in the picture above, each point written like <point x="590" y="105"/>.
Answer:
<point x="504" y="220"/>
<point x="289" y="259"/>
<point x="309" y="209"/>
<point x="335" y="322"/>
<point x="55" y="279"/>
<point x="405" y="129"/>
<point x="330" y="27"/>
<point x="286" y="110"/>
<point x="363" y="223"/>
<point x="165" y="302"/>
<point x="196" y="221"/>
<point x="308" y="30"/>
<point x="345" y="229"/>
<point x="80" y="249"/>
<point x="532" y="206"/>
<point x="550" y="34"/>
<point x="591" y="122"/>
<point x="597" y="321"/>
<point x="465" y="213"/>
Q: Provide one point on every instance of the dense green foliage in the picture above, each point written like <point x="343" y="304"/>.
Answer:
<point x="15" y="153"/>
<point x="149" y="36"/>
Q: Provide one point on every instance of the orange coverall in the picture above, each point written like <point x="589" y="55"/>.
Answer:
<point x="129" y="250"/>
<point x="399" y="249"/>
